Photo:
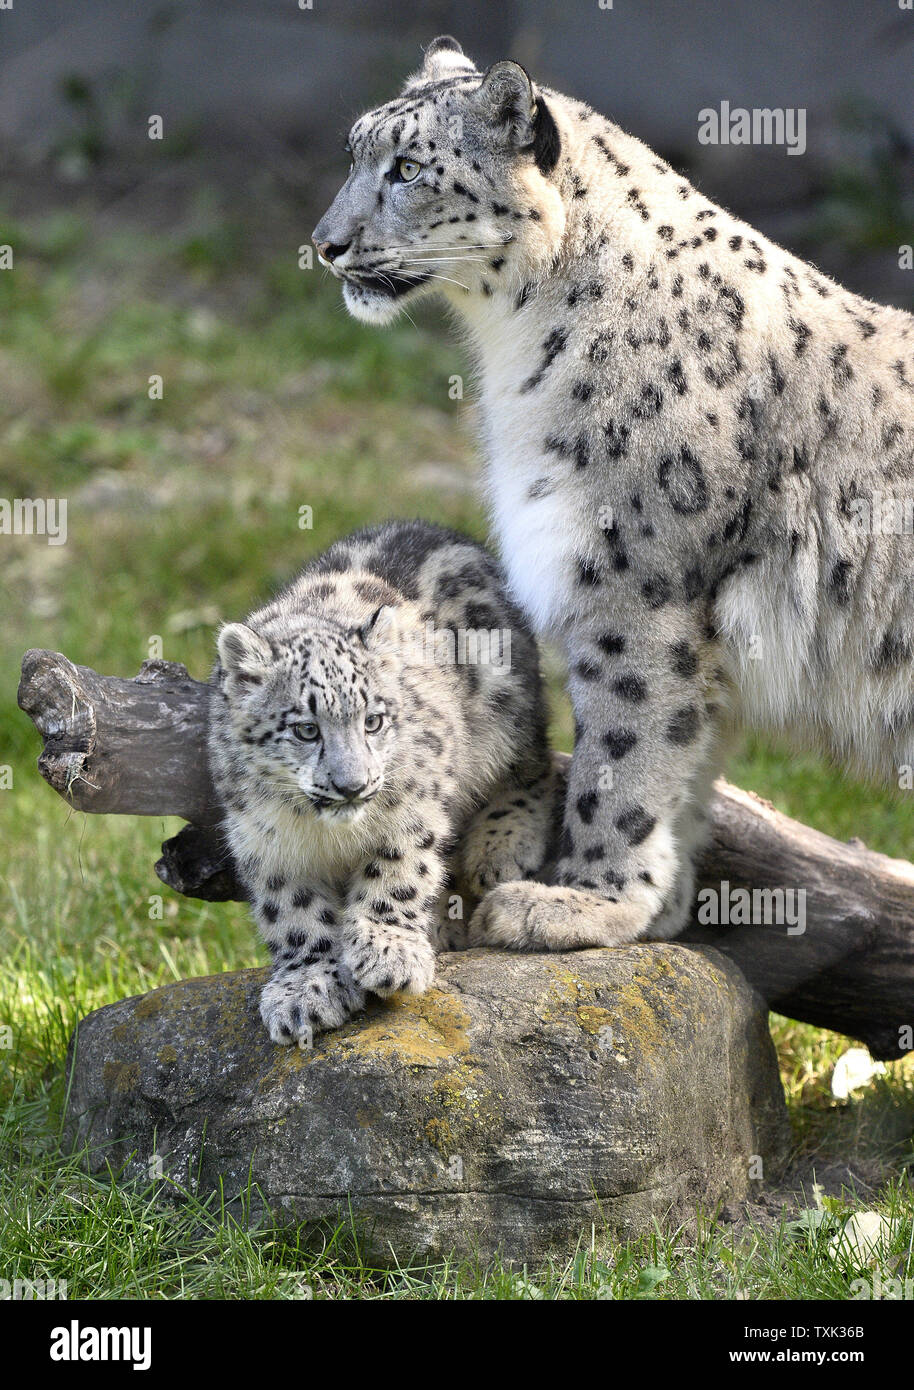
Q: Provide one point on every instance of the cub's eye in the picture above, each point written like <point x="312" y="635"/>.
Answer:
<point x="408" y="169"/>
<point x="373" y="723"/>
<point x="308" y="733"/>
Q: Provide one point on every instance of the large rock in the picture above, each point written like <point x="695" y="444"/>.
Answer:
<point x="523" y="1099"/>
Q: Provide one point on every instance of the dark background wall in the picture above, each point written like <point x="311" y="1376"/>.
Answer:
<point x="651" y="63"/>
<point x="249" y="84"/>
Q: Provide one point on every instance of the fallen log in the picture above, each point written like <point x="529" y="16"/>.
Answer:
<point x="138" y="747"/>
<point x="131" y="747"/>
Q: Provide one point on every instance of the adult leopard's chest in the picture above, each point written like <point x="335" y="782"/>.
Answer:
<point x="535" y="542"/>
<point x="534" y="506"/>
<point x="542" y="502"/>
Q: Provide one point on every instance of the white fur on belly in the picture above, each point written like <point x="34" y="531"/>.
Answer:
<point x="533" y="537"/>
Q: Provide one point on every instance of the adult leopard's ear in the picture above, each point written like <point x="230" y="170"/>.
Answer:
<point x="382" y="629"/>
<point x="244" y="654"/>
<point x="445" y="58"/>
<point x="507" y="101"/>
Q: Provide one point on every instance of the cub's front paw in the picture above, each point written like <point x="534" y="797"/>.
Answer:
<point x="386" y="960"/>
<point x="296" y="1005"/>
<point x="536" y="917"/>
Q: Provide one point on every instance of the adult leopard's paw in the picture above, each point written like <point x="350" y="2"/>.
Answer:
<point x="537" y="917"/>
<point x="297" y="1005"/>
<point x="387" y="960"/>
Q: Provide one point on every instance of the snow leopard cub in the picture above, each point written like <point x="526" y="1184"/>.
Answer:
<point x="386" y="707"/>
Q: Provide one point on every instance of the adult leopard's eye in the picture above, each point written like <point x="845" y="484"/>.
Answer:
<point x="373" y="723"/>
<point x="408" y="169"/>
<point x="308" y="733"/>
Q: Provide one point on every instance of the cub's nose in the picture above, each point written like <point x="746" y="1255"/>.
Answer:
<point x="349" y="790"/>
<point x="328" y="251"/>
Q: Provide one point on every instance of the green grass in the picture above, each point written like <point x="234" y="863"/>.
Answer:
<point x="186" y="510"/>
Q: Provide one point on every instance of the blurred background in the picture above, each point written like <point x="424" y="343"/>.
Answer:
<point x="257" y="96"/>
<point x="179" y="258"/>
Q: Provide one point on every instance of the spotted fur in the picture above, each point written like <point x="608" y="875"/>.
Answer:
<point x="354" y="742"/>
<point x="685" y="427"/>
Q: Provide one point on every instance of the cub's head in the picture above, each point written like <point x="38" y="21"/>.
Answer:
<point x="315" y="715"/>
<point x="451" y="188"/>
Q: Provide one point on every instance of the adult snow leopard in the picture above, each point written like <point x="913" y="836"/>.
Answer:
<point x="385" y="705"/>
<point x="691" y="435"/>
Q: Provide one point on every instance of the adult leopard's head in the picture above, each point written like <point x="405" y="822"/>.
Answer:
<point x="451" y="188"/>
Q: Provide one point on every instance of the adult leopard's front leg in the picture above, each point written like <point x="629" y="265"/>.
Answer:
<point x="691" y="832"/>
<point x="646" y="726"/>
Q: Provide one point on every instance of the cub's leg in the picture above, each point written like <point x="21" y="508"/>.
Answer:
<point x="309" y="989"/>
<point x="449" y="932"/>
<point x="510" y="837"/>
<point x="647" y="721"/>
<point x="390" y="919"/>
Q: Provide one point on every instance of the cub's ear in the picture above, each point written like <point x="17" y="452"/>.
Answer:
<point x="506" y="101"/>
<point x="382" y="629"/>
<point x="445" y="58"/>
<point x="244" y="653"/>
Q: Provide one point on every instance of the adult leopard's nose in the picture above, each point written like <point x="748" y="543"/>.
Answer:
<point x="329" y="252"/>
